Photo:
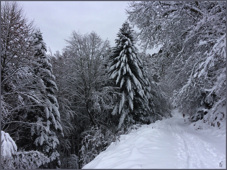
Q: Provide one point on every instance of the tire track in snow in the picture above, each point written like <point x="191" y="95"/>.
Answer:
<point x="182" y="151"/>
<point x="203" y="154"/>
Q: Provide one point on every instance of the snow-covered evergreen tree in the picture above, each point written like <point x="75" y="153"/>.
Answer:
<point x="47" y="115"/>
<point x="126" y="70"/>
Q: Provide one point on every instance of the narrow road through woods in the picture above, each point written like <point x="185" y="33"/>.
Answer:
<point x="169" y="143"/>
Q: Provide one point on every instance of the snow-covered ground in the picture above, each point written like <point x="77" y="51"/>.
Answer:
<point x="170" y="143"/>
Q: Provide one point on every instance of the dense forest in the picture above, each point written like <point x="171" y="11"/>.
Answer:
<point x="62" y="110"/>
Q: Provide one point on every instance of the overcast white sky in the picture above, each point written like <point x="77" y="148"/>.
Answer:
<point x="57" y="19"/>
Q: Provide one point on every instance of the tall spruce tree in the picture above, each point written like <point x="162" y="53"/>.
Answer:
<point x="126" y="70"/>
<point x="48" y="125"/>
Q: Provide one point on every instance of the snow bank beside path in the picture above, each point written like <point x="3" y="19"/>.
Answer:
<point x="170" y="143"/>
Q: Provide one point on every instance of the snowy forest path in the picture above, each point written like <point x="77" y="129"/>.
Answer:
<point x="169" y="143"/>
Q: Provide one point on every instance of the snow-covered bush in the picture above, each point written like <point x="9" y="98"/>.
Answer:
<point x="11" y="159"/>
<point x="30" y="160"/>
<point x="94" y="141"/>
<point x="25" y="160"/>
<point x="70" y="162"/>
